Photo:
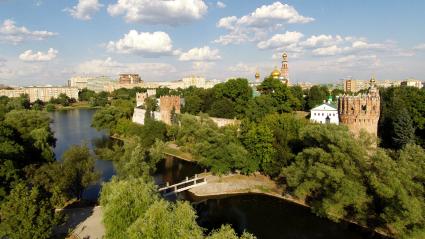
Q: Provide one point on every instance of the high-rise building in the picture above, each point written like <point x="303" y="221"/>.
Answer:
<point x="412" y="83"/>
<point x="96" y="84"/>
<point x="129" y="79"/>
<point x="43" y="93"/>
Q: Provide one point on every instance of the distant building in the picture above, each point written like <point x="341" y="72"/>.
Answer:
<point x="43" y="93"/>
<point x="326" y="113"/>
<point x="412" y="83"/>
<point x="353" y="86"/>
<point x="305" y="85"/>
<point x="361" y="111"/>
<point x="97" y="84"/>
<point x="129" y="79"/>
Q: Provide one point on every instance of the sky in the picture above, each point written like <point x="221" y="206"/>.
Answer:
<point x="48" y="41"/>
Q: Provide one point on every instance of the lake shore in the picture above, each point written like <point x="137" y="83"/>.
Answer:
<point x="237" y="184"/>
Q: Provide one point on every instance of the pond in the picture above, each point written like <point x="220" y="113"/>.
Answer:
<point x="73" y="127"/>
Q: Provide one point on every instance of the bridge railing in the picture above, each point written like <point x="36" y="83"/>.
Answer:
<point x="181" y="186"/>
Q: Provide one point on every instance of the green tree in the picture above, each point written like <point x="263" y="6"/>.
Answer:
<point x="66" y="179"/>
<point x="223" y="108"/>
<point x="397" y="188"/>
<point x="329" y="173"/>
<point x="37" y="105"/>
<point x="86" y="95"/>
<point x="259" y="143"/>
<point x="26" y="214"/>
<point x="107" y="118"/>
<point x="100" y="99"/>
<point x="316" y="96"/>
<point x="227" y="232"/>
<point x="123" y="203"/>
<point x="193" y="104"/>
<point x="166" y="220"/>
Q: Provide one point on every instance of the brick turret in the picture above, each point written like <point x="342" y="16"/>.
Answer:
<point x="361" y="111"/>
<point x="166" y="105"/>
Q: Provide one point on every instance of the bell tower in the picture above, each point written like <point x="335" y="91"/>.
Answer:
<point x="284" y="68"/>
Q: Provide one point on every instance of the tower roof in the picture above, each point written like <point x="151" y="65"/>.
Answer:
<point x="275" y="73"/>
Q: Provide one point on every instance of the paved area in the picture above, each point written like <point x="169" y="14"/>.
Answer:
<point x="91" y="227"/>
<point x="85" y="223"/>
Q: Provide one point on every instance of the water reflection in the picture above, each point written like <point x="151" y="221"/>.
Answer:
<point x="73" y="127"/>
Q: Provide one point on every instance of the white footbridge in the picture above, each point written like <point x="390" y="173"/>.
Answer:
<point x="184" y="185"/>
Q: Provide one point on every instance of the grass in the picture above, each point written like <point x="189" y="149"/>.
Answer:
<point x="178" y="153"/>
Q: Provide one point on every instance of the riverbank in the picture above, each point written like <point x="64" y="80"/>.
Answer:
<point x="236" y="184"/>
<point x="77" y="105"/>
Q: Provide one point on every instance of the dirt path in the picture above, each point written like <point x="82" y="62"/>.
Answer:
<point x="84" y="222"/>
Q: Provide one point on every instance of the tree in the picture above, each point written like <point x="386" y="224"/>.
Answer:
<point x="259" y="143"/>
<point x="403" y="130"/>
<point x="397" y="187"/>
<point x="227" y="232"/>
<point x="316" y="96"/>
<point x="166" y="220"/>
<point x="86" y="95"/>
<point x="107" y="118"/>
<point x="329" y="173"/>
<point x="123" y="203"/>
<point x="134" y="162"/>
<point x="284" y="101"/>
<point x="37" y="105"/>
<point x="66" y="179"/>
<point x="193" y="104"/>
<point x="100" y="99"/>
<point x="26" y="214"/>
<point x="222" y="108"/>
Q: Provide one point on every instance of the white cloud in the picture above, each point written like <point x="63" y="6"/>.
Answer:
<point x="321" y="40"/>
<point x="242" y="68"/>
<point x="328" y="51"/>
<point x="170" y="12"/>
<point x="255" y="25"/>
<point x="221" y="4"/>
<point x="109" y="66"/>
<point x="84" y="9"/>
<point x="419" y="47"/>
<point x="200" y="54"/>
<point x="10" y="33"/>
<point x="280" y="40"/>
<point x="144" y="43"/>
<point x="201" y="66"/>
<point x="31" y="56"/>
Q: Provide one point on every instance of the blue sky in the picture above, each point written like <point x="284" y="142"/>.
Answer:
<point x="48" y="41"/>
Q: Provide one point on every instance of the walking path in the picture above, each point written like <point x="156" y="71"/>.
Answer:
<point x="87" y="222"/>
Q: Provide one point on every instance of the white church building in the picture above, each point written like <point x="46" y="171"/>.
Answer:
<point x="326" y="113"/>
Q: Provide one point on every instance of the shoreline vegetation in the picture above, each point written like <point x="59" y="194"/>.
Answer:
<point x="237" y="184"/>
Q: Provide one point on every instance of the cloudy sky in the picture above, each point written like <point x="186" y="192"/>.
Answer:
<point x="48" y="41"/>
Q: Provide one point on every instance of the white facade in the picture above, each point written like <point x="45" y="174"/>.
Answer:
<point x="412" y="83"/>
<point x="96" y="84"/>
<point x="43" y="93"/>
<point x="324" y="114"/>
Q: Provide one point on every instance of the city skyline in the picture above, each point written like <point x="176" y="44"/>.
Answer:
<point x="46" y="41"/>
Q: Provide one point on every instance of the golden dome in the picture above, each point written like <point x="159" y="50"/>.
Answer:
<point x="275" y="73"/>
<point x="284" y="55"/>
<point x="257" y="74"/>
